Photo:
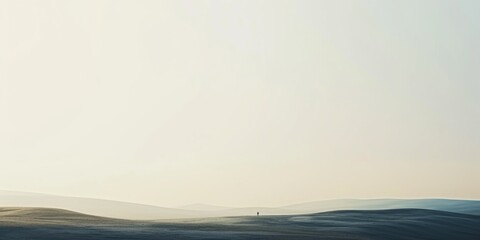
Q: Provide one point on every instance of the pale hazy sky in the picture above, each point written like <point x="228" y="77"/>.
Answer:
<point x="240" y="102"/>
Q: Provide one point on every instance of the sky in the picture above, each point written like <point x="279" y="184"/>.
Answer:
<point x="240" y="103"/>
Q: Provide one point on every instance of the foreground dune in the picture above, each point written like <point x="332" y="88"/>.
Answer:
<point x="41" y="223"/>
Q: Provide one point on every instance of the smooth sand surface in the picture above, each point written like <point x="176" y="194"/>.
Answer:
<point x="41" y="223"/>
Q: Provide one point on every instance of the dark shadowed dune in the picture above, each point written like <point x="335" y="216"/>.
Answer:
<point x="401" y="224"/>
<point x="450" y="205"/>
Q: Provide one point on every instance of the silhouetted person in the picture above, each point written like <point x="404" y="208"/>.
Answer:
<point x="258" y="213"/>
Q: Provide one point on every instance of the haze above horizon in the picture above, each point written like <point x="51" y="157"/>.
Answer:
<point x="240" y="103"/>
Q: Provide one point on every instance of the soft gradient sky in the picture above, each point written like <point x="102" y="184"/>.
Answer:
<point x="240" y="102"/>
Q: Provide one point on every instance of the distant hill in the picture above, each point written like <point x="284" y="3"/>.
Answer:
<point x="393" y="224"/>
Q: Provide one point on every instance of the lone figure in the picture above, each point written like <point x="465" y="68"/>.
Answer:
<point x="258" y="213"/>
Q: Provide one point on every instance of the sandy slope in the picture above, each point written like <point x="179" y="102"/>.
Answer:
<point x="35" y="223"/>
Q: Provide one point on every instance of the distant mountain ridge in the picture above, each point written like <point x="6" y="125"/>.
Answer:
<point x="125" y="210"/>
<point x="203" y="207"/>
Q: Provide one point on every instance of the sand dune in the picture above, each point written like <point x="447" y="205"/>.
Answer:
<point x="124" y="210"/>
<point x="397" y="224"/>
<point x="100" y="207"/>
<point x="451" y="205"/>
